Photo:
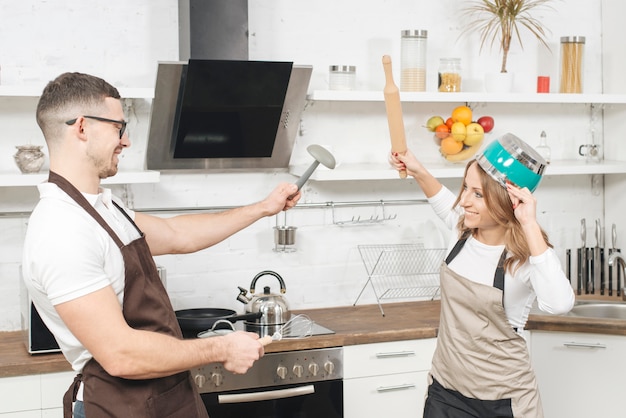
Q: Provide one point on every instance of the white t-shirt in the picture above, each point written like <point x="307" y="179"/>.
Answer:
<point x="67" y="254"/>
<point x="541" y="277"/>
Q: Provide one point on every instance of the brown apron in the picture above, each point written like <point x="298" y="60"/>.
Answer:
<point x="146" y="306"/>
<point x="478" y="353"/>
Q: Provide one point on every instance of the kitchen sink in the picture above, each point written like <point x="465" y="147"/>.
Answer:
<point x="602" y="310"/>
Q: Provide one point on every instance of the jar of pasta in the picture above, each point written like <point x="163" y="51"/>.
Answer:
<point x="572" y="48"/>
<point x="450" y="74"/>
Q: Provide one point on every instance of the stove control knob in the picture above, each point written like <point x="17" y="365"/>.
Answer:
<point x="298" y="370"/>
<point x="329" y="366"/>
<point x="217" y="379"/>
<point x="314" y="369"/>
<point x="200" y="380"/>
<point x="281" y="371"/>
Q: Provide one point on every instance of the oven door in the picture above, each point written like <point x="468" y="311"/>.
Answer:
<point x="308" y="400"/>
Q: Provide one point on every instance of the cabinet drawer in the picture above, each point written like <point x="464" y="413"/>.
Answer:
<point x="397" y="395"/>
<point x="20" y="393"/>
<point x="388" y="358"/>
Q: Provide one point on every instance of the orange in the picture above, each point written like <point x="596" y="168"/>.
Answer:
<point x="442" y="131"/>
<point x="462" y="114"/>
<point x="449" y="146"/>
<point x="449" y="123"/>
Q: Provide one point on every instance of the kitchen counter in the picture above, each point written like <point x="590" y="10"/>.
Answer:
<point x="361" y="324"/>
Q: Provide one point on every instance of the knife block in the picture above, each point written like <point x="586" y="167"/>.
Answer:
<point x="587" y="268"/>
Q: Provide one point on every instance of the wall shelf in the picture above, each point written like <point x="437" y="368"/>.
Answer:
<point x="469" y="97"/>
<point x="372" y="171"/>
<point x="35" y="91"/>
<point x="122" y="177"/>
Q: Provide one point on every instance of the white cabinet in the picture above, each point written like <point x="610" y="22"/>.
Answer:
<point x="579" y="375"/>
<point x="386" y="379"/>
<point x="34" y="396"/>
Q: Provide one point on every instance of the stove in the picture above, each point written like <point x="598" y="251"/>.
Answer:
<point x="298" y="384"/>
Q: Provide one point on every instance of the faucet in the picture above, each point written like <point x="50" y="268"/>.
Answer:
<point x="619" y="257"/>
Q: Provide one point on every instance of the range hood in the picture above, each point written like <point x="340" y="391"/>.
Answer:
<point x="225" y="114"/>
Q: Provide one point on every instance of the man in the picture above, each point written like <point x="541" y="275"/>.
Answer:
<point x="88" y="266"/>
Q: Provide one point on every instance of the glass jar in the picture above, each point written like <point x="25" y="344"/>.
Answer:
<point x="450" y="74"/>
<point x="413" y="60"/>
<point x="342" y="77"/>
<point x="572" y="48"/>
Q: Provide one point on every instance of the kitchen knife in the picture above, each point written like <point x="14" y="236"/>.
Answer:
<point x="394" y="112"/>
<point x="611" y="250"/>
<point x="618" y="283"/>
<point x="597" y="261"/>
<point x="582" y="271"/>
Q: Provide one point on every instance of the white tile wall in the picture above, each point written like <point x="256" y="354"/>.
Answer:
<point x="122" y="42"/>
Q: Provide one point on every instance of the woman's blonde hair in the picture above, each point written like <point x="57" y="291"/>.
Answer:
<point x="500" y="208"/>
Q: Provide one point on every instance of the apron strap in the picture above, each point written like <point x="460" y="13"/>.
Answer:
<point x="74" y="193"/>
<point x="70" y="396"/>
<point x="498" y="278"/>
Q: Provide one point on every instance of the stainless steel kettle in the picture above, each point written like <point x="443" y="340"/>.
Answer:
<point x="273" y="307"/>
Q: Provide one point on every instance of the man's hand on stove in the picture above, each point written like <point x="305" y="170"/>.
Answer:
<point x="240" y="350"/>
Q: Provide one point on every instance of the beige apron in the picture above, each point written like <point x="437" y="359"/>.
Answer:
<point x="478" y="353"/>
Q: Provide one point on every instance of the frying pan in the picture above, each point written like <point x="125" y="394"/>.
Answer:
<point x="194" y="321"/>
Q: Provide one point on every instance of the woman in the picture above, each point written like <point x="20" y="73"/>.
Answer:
<point x="500" y="261"/>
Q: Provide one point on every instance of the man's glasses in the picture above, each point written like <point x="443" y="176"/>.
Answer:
<point x="119" y="122"/>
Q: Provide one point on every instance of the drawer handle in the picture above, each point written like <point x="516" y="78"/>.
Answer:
<point x="395" y="388"/>
<point x="395" y="354"/>
<point x="574" y="344"/>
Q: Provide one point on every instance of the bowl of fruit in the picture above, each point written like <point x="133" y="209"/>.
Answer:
<point x="459" y="137"/>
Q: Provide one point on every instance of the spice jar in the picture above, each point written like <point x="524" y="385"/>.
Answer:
<point x="572" y="48"/>
<point x="413" y="60"/>
<point x="450" y="74"/>
<point x="342" y="77"/>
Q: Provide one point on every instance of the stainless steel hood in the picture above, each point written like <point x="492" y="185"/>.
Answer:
<point x="169" y="130"/>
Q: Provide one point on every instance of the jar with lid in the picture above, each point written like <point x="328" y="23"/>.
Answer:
<point x="413" y="60"/>
<point x="342" y="77"/>
<point x="450" y="74"/>
<point x="572" y="48"/>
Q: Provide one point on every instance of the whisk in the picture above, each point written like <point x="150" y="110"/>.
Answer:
<point x="299" y="326"/>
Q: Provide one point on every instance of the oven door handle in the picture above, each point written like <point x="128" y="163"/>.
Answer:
<point x="266" y="395"/>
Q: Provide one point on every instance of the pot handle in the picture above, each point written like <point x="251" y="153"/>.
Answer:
<point x="283" y="288"/>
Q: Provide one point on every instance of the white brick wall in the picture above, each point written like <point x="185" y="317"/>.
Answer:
<point x="122" y="41"/>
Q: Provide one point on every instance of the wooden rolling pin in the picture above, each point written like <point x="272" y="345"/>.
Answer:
<point x="394" y="112"/>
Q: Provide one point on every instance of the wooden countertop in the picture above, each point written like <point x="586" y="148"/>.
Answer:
<point x="361" y="324"/>
<point x="352" y="325"/>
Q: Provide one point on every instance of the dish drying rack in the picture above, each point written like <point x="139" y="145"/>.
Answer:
<point x="399" y="271"/>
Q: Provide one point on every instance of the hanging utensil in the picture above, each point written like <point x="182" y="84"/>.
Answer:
<point x="299" y="326"/>
<point x="611" y="251"/>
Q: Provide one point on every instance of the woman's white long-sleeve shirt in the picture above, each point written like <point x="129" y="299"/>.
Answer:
<point x="541" y="277"/>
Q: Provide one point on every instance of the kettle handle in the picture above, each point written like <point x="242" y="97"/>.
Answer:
<point x="283" y="288"/>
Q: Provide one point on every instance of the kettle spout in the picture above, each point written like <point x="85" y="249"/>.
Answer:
<point x="243" y="296"/>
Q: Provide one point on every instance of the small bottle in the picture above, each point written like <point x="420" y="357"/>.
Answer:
<point x="413" y="60"/>
<point x="543" y="148"/>
<point x="450" y="74"/>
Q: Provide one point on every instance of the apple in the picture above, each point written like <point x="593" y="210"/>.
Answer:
<point x="433" y="122"/>
<point x="475" y="134"/>
<point x="486" y="122"/>
<point x="458" y="131"/>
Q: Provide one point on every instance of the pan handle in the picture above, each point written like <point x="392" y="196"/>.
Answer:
<point x="250" y="316"/>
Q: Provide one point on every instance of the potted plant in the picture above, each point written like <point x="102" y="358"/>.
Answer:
<point x="499" y="21"/>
